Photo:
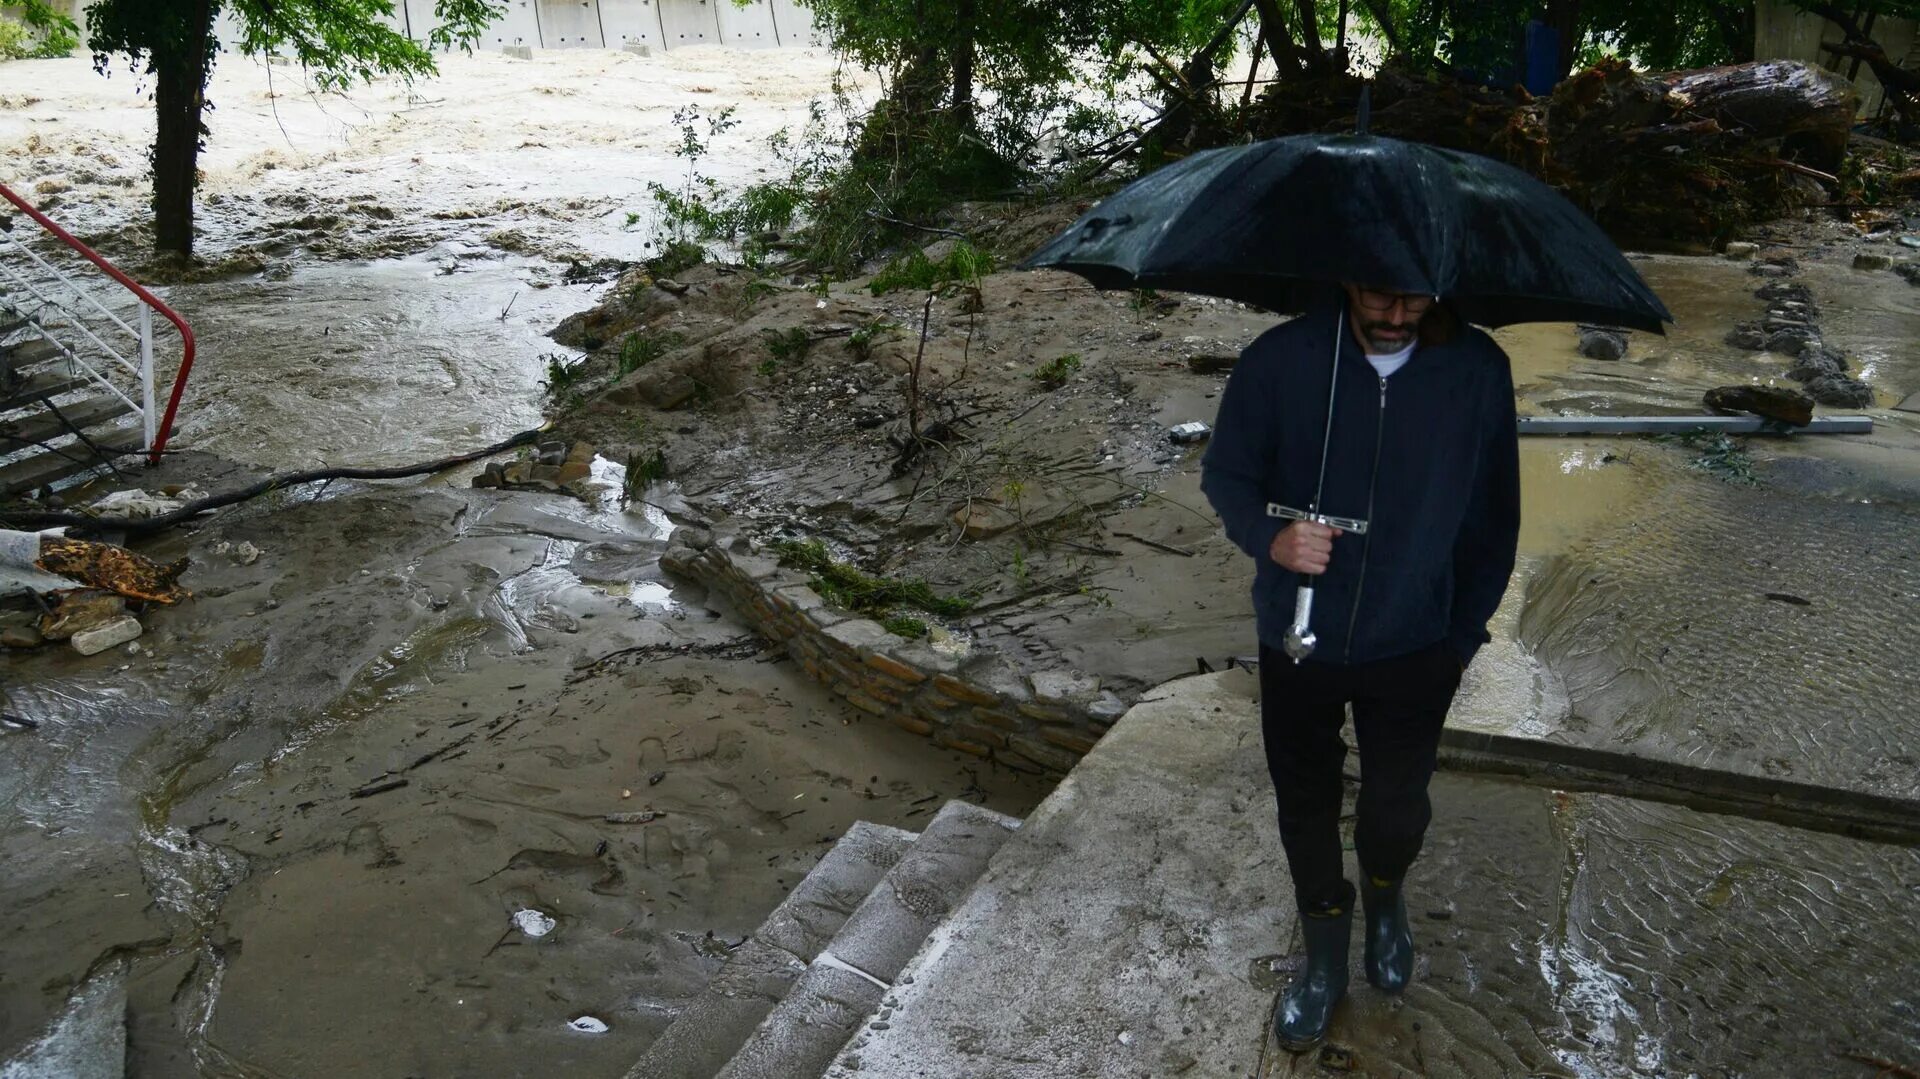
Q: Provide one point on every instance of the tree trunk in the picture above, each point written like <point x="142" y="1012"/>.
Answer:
<point x="1273" y="29"/>
<point x="1310" y="46"/>
<point x="179" y="94"/>
<point x="963" y="62"/>
<point x="1563" y="16"/>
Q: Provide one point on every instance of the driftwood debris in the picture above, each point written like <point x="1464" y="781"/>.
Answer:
<point x="1680" y="159"/>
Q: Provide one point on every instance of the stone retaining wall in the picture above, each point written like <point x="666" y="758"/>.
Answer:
<point x="978" y="704"/>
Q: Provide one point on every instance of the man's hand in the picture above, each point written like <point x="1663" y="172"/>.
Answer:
<point x="1304" y="547"/>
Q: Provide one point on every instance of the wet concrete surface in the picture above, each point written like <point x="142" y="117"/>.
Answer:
<point x="194" y="810"/>
<point x="1563" y="935"/>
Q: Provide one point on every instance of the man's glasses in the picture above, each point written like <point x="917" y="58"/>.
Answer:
<point x="1379" y="303"/>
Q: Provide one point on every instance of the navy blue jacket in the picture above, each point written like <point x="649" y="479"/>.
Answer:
<point x="1444" y="505"/>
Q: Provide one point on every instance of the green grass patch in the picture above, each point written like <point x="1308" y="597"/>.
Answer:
<point x="914" y="270"/>
<point x="645" y="347"/>
<point x="785" y="348"/>
<point x="1054" y="373"/>
<point x="901" y="625"/>
<point x="847" y="587"/>
<point x="676" y="258"/>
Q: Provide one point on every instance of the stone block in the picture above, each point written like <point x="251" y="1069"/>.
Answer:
<point x="963" y="691"/>
<point x="97" y="639"/>
<point x="754" y="567"/>
<point x="1072" y="741"/>
<point x="857" y="635"/>
<point x="947" y="740"/>
<point x="799" y="597"/>
<point x="893" y="668"/>
<point x="866" y="703"/>
<point x="999" y="718"/>
<point x="1740" y="250"/>
<point x="883" y="689"/>
<point x="974" y="732"/>
<point x="909" y="723"/>
<point x="1050" y="757"/>
<point x="1063" y="685"/>
<point x="1047" y="714"/>
<point x="517" y="52"/>
<point x="1867" y="260"/>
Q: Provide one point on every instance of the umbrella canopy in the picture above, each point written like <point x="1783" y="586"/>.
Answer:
<point x="1274" y="223"/>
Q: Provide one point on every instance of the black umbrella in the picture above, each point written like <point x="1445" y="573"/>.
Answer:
<point x="1273" y="223"/>
<point x="1276" y="223"/>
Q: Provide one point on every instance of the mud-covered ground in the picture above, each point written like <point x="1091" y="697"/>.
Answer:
<point x="184" y="820"/>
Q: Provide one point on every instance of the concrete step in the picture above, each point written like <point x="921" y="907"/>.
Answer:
<point x="1111" y="936"/>
<point x="38" y="387"/>
<point x="32" y="473"/>
<point x="713" y="1026"/>
<point x="847" y="981"/>
<point x="23" y="354"/>
<point x="43" y="425"/>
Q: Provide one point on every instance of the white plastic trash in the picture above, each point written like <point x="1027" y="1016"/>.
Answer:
<point x="533" y="923"/>
<point x="587" y="1024"/>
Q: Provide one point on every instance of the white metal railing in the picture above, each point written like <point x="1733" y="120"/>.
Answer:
<point x="46" y="312"/>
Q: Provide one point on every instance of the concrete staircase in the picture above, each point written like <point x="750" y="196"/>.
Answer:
<point x="820" y="966"/>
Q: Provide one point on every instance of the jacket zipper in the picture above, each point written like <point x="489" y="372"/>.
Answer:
<point x="1366" y="546"/>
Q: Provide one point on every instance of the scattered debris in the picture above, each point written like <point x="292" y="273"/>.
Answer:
<point x="1210" y="363"/>
<point x="19" y="722"/>
<point x="1788" y="597"/>
<point x="137" y="504"/>
<point x="75" y="612"/>
<point x="372" y="789"/>
<point x="1192" y="431"/>
<point x="534" y="924"/>
<point x="587" y="1024"/>
<point x="644" y="817"/>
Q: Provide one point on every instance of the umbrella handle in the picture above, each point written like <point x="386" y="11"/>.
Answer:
<point x="1300" y="639"/>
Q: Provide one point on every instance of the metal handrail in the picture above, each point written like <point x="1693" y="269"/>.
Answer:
<point x="157" y="437"/>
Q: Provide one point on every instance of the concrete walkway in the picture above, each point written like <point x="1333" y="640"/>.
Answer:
<point x="1140" y="924"/>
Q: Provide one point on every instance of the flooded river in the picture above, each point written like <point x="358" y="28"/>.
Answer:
<point x="190" y="850"/>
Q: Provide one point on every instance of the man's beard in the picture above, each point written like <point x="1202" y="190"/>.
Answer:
<point x="1387" y="336"/>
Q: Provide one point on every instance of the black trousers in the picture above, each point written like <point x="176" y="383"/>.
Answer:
<point x="1399" y="706"/>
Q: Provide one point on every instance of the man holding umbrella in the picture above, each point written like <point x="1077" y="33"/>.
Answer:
<point x="1422" y="449"/>
<point x="1366" y="451"/>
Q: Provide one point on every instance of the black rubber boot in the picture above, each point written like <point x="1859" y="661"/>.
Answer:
<point x="1306" y="1010"/>
<point x="1389" y="938"/>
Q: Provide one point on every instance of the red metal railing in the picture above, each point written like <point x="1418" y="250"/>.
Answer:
<point x="165" y="427"/>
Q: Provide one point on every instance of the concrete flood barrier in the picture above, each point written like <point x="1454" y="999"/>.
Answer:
<point x="688" y="22"/>
<point x="749" y="27"/>
<point x="631" y="22"/>
<point x="977" y="703"/>
<point x="570" y="24"/>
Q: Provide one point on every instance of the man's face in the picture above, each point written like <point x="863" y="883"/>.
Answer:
<point x="1385" y="321"/>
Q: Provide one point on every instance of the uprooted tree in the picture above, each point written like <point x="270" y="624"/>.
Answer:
<point x="336" y="42"/>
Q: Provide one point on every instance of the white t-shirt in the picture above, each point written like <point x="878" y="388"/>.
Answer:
<point x="1390" y="362"/>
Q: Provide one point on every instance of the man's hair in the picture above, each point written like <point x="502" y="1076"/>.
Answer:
<point x="1440" y="325"/>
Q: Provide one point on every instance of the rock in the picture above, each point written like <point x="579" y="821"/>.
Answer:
<point x="1054" y="686"/>
<point x="97" y="639"/>
<point x="1869" y="260"/>
<point x="551" y="453"/>
<point x="1772" y="402"/>
<point x="1909" y="272"/>
<point x="698" y="539"/>
<point x="1786" y="291"/>
<point x="1740" y="249"/>
<point x="1601" y="343"/>
<point x="1211" y="363"/>
<point x="1746" y="335"/>
<point x="1815" y="362"/>
<point x="80" y="611"/>
<point x="1910" y="404"/>
<point x="667" y="284"/>
<point x="1792" y="341"/>
<point x="655" y="385"/>
<point x="1839" y="391"/>
<point x="488" y="477"/>
<point x="516" y="472"/>
<point x="983" y="520"/>
<point x="578" y="464"/>
<point x="21" y="637"/>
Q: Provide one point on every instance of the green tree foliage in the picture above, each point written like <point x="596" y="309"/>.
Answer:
<point x="337" y="42"/>
<point x="39" y="31"/>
